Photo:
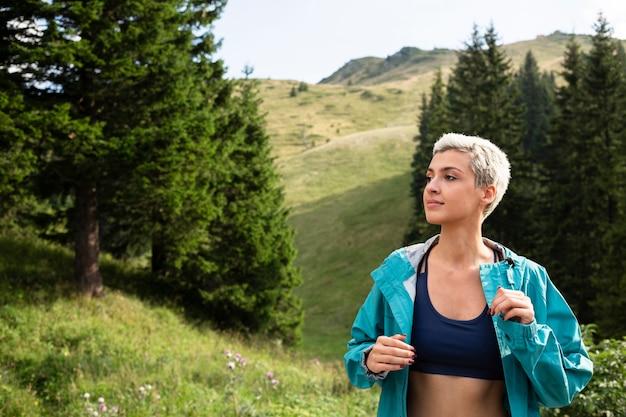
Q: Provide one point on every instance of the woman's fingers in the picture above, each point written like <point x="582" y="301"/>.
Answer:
<point x="513" y="305"/>
<point x="390" y="354"/>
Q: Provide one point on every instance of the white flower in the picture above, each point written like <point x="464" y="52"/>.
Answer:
<point x="86" y="395"/>
<point x="100" y="400"/>
<point x="230" y="365"/>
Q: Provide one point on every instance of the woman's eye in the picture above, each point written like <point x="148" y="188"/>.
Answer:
<point x="427" y="179"/>
<point x="450" y="177"/>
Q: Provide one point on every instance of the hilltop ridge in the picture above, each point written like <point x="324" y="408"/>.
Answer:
<point x="410" y="61"/>
<point x="407" y="62"/>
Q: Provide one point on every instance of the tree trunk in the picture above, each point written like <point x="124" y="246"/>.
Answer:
<point x="158" y="255"/>
<point x="87" y="247"/>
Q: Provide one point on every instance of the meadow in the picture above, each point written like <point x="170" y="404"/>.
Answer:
<point x="62" y="355"/>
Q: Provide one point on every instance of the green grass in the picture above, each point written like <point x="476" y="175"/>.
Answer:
<point x="351" y="205"/>
<point x="148" y="361"/>
<point x="143" y="358"/>
<point x="327" y="113"/>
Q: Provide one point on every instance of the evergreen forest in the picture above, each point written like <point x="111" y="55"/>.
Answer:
<point x="121" y="135"/>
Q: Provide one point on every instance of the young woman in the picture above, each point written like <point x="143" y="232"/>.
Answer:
<point x="460" y="325"/>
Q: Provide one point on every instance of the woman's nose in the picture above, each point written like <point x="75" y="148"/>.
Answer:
<point x="431" y="186"/>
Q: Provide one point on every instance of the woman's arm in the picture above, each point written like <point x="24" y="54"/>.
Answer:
<point x="367" y="326"/>
<point x="549" y="348"/>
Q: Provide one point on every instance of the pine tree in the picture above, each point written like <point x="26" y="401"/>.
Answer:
<point x="566" y="256"/>
<point x="104" y="73"/>
<point x="17" y="134"/>
<point x="144" y="135"/>
<point x="587" y="144"/>
<point x="537" y="98"/>
<point x="466" y="96"/>
<point x="432" y="123"/>
<point x="610" y="284"/>
<point x="605" y="82"/>
<point x="482" y="97"/>
<point x="481" y="93"/>
<point x="244" y="277"/>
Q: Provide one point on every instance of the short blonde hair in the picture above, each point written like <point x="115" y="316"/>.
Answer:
<point x="488" y="162"/>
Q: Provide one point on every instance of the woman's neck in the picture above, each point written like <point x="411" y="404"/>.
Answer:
<point x="463" y="246"/>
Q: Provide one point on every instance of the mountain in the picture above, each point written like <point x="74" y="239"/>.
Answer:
<point x="404" y="64"/>
<point x="409" y="62"/>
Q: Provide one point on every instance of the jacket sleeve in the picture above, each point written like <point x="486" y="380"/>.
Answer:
<point x="368" y="325"/>
<point x="550" y="349"/>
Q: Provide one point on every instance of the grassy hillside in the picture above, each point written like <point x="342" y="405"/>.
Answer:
<point x="374" y="93"/>
<point x="351" y="205"/>
<point x="325" y="113"/>
<point x="68" y="357"/>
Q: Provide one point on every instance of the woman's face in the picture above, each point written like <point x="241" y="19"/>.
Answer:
<point x="450" y="195"/>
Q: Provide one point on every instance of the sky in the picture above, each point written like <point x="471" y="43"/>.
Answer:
<point x="308" y="40"/>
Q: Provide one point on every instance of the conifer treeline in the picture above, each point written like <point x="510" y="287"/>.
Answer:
<point x="119" y="131"/>
<point x="567" y="146"/>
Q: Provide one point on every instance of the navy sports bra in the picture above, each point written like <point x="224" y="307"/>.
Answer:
<point x="444" y="346"/>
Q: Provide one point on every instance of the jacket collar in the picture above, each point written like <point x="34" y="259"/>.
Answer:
<point x="416" y="253"/>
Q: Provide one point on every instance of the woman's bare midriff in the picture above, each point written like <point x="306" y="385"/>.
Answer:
<point x="431" y="395"/>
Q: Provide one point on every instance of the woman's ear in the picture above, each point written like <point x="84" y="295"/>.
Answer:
<point x="489" y="194"/>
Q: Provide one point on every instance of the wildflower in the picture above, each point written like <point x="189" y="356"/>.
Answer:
<point x="101" y="400"/>
<point x="237" y="356"/>
<point x="103" y="406"/>
<point x="115" y="409"/>
<point x="270" y="375"/>
<point x="231" y="365"/>
<point x="243" y="361"/>
<point x="316" y="361"/>
<point x="274" y="382"/>
<point x="228" y="353"/>
<point x="142" y="389"/>
<point x="86" y="395"/>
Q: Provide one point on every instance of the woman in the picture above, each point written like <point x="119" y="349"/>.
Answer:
<point x="460" y="325"/>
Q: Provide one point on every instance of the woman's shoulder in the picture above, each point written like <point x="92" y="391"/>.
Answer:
<point x="514" y="258"/>
<point x="416" y="251"/>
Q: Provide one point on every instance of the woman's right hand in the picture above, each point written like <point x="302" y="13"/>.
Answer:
<point x="390" y="354"/>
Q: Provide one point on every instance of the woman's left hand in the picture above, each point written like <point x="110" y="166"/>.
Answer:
<point x="513" y="305"/>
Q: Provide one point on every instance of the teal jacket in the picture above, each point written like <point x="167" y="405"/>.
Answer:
<point x="545" y="362"/>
